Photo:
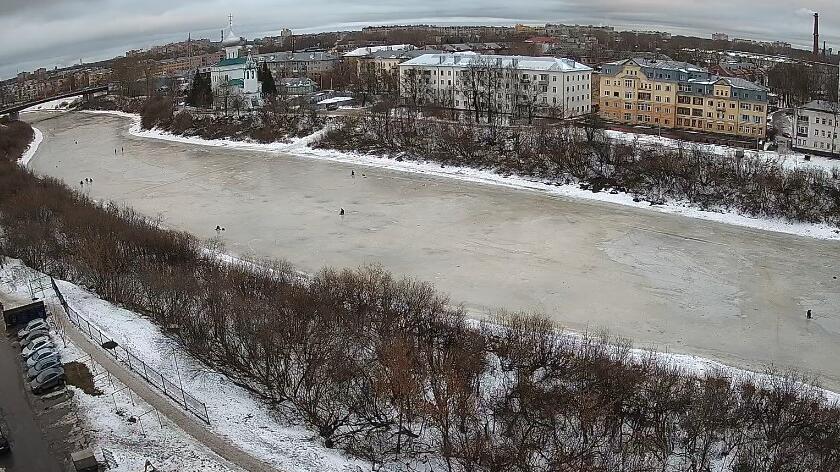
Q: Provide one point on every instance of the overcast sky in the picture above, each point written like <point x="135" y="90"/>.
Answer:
<point x="37" y="33"/>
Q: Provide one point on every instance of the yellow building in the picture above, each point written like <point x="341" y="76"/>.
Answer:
<point x="679" y="95"/>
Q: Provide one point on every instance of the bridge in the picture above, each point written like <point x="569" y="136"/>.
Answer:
<point x="14" y="111"/>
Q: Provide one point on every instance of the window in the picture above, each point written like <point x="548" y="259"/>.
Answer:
<point x="628" y="95"/>
<point x="683" y="111"/>
<point x="606" y="93"/>
<point x="628" y="83"/>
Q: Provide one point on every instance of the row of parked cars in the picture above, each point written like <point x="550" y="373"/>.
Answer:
<point x="41" y="360"/>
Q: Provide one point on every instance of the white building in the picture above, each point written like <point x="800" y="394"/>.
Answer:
<point x="541" y="86"/>
<point x="364" y="51"/>
<point x="234" y="78"/>
<point x="817" y="126"/>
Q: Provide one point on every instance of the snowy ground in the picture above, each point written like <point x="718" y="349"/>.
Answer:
<point x="300" y="147"/>
<point x="105" y="417"/>
<point x="54" y="105"/>
<point x="789" y="160"/>
<point x="33" y="147"/>
<point x="234" y="413"/>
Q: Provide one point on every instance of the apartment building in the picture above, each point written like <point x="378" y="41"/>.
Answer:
<point x="817" y="126"/>
<point x="299" y="64"/>
<point x="679" y="95"/>
<point x="183" y="65"/>
<point x="544" y="86"/>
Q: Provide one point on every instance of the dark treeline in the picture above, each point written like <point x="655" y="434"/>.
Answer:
<point x="582" y="153"/>
<point x="280" y="118"/>
<point x="15" y="137"/>
<point x="390" y="371"/>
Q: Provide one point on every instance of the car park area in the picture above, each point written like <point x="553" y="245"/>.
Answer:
<point x="35" y="430"/>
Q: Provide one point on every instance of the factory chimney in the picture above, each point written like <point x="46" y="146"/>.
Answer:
<point x="816" y="34"/>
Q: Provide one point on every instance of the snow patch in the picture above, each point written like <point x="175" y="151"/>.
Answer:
<point x="335" y="100"/>
<point x="60" y="104"/>
<point x="27" y="155"/>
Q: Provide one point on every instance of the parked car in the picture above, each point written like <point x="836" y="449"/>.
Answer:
<point x="46" y="363"/>
<point x="4" y="444"/>
<point x="47" y="379"/>
<point x="36" y="345"/>
<point x="33" y="336"/>
<point x="41" y="355"/>
<point x="33" y="325"/>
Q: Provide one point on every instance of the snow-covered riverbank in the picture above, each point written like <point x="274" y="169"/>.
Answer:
<point x="37" y="139"/>
<point x="301" y="147"/>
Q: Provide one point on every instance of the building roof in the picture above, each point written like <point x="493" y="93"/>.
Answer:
<point x="822" y="105"/>
<point x="668" y="64"/>
<point x="296" y="82"/>
<point x="402" y="54"/>
<point x="745" y="84"/>
<point x="231" y="62"/>
<point x="297" y="56"/>
<point x="236" y="83"/>
<point x="359" y="52"/>
<point x="736" y="82"/>
<point x="548" y="64"/>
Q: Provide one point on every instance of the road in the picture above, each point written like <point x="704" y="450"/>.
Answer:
<point x="30" y="448"/>
<point x="782" y="124"/>
<point x="665" y="281"/>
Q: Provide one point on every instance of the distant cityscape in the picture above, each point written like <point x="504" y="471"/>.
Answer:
<point x="716" y="85"/>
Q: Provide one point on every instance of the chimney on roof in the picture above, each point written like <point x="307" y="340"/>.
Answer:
<point x="816" y="34"/>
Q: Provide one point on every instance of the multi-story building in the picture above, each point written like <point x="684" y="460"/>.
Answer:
<point x="538" y="86"/>
<point x="299" y="64"/>
<point x="720" y="37"/>
<point x="817" y="126"/>
<point x="672" y="94"/>
<point x="182" y="65"/>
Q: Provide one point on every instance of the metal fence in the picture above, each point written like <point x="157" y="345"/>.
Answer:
<point x="169" y="388"/>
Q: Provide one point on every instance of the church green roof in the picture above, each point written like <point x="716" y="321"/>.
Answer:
<point x="230" y="62"/>
<point x="236" y="83"/>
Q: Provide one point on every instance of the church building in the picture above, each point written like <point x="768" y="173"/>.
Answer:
<point x="233" y="80"/>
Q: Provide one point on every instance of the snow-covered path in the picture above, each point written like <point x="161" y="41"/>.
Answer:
<point x="222" y="447"/>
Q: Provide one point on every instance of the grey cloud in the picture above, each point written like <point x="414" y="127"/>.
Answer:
<point x="35" y="32"/>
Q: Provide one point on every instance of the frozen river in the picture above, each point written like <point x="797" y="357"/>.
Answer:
<point x="669" y="282"/>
